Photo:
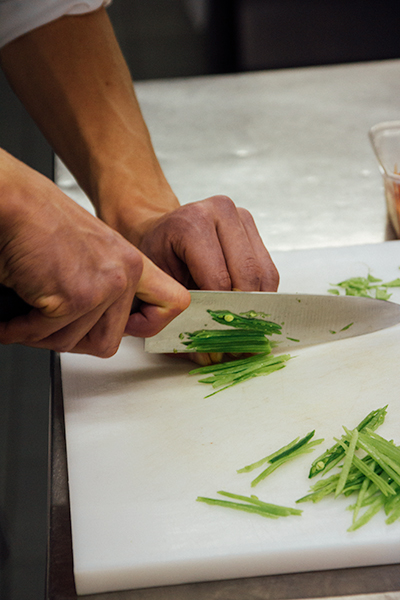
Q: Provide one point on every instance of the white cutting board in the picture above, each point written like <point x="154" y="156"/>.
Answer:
<point x="143" y="443"/>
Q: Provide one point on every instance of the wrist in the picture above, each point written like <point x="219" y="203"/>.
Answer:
<point x="14" y="194"/>
<point x="130" y="199"/>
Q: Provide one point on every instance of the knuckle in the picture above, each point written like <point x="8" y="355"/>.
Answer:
<point x="223" y="202"/>
<point x="251" y="272"/>
<point x="224" y="281"/>
<point x="246" y="216"/>
<point x="81" y="302"/>
<point x="180" y="302"/>
<point x="118" y="281"/>
<point x="272" y="278"/>
<point x="135" y="265"/>
<point x="106" y="349"/>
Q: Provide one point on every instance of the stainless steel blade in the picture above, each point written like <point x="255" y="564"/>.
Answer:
<point x="306" y="319"/>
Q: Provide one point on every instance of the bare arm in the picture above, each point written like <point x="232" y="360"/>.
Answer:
<point x="73" y="79"/>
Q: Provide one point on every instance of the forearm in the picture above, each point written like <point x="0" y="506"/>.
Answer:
<point x="74" y="81"/>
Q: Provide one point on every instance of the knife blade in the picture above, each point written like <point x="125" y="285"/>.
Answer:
<point x="305" y="319"/>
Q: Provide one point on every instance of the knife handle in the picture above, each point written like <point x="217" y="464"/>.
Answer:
<point x="11" y="305"/>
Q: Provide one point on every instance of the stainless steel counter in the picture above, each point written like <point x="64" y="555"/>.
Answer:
<point x="292" y="147"/>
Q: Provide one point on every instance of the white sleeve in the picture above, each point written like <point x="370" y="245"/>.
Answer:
<point x="20" y="16"/>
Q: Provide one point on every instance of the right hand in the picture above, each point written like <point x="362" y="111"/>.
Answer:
<point x="79" y="274"/>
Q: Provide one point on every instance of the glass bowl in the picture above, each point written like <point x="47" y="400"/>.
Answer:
<point x="385" y="140"/>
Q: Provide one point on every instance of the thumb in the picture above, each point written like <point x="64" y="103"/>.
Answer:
<point x="162" y="298"/>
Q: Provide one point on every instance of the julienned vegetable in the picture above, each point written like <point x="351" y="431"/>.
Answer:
<point x="375" y="476"/>
<point x="368" y="287"/>
<point x="247" y="335"/>
<point x="225" y="375"/>
<point x="276" y="459"/>
<point x="235" y="341"/>
<point x="251" y="504"/>
<point x="249" y="320"/>
<point x="333" y="455"/>
<point x="289" y="452"/>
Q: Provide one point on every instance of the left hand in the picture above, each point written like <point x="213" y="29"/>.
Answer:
<point x="211" y="245"/>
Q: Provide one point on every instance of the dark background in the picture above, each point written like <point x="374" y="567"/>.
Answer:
<point x="160" y="39"/>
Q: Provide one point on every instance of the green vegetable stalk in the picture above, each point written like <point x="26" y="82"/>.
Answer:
<point x="287" y="453"/>
<point x="333" y="455"/>
<point x="247" y="336"/>
<point x="249" y="320"/>
<point x="251" y="504"/>
<point x="225" y="375"/>
<point x="375" y="477"/>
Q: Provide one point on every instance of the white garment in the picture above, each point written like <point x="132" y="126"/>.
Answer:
<point x="20" y="16"/>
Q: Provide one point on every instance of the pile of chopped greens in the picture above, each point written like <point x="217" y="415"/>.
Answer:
<point x="225" y="375"/>
<point x="374" y="476"/>
<point x="366" y="287"/>
<point x="247" y="335"/>
<point x="332" y="456"/>
<point x="234" y="342"/>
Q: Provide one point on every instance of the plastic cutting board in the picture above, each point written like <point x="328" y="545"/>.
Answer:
<point x="143" y="443"/>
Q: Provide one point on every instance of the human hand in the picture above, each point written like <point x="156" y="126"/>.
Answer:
<point x="211" y="245"/>
<point x="78" y="274"/>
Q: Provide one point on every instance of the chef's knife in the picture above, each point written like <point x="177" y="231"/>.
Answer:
<point x="306" y="319"/>
<point x="12" y="305"/>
